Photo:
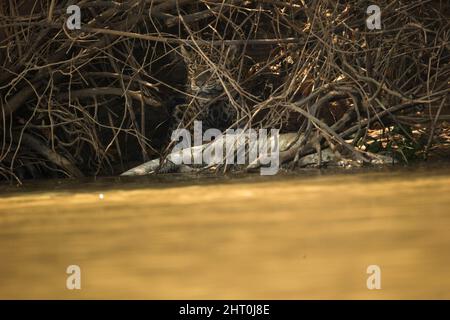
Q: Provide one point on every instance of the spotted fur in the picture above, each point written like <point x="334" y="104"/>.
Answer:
<point x="204" y="85"/>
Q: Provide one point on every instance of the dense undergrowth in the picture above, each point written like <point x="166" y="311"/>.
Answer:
<point x="97" y="100"/>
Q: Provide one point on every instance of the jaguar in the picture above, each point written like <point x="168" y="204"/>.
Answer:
<point x="208" y="70"/>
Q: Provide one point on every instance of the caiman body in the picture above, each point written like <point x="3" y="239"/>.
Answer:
<point x="173" y="164"/>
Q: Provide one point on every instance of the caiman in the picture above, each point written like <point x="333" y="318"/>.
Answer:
<point x="173" y="164"/>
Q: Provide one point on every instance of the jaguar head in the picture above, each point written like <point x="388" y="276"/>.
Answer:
<point x="204" y="67"/>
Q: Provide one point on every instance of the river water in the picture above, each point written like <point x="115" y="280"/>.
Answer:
<point x="305" y="235"/>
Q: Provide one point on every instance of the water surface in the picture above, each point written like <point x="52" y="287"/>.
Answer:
<point x="287" y="237"/>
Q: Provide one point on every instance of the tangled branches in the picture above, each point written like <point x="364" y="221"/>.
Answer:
<point x="95" y="100"/>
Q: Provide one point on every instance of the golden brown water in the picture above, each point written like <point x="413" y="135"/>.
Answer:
<point x="303" y="236"/>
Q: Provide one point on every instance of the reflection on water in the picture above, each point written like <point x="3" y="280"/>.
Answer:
<point x="294" y="236"/>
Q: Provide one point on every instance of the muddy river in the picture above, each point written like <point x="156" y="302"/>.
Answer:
<point x="305" y="235"/>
